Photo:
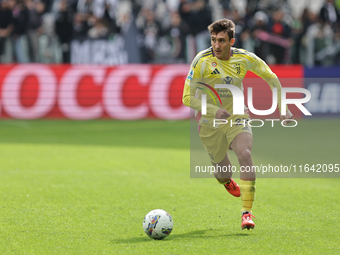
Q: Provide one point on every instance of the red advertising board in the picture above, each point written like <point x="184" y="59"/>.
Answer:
<point x="89" y="92"/>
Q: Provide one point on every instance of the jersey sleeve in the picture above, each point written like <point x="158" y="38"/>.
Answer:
<point x="196" y="74"/>
<point x="260" y="68"/>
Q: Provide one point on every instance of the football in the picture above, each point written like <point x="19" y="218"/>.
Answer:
<point x="158" y="224"/>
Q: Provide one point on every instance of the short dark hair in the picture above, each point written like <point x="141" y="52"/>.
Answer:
<point x="225" y="25"/>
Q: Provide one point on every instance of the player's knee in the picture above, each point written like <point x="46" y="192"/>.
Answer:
<point x="244" y="155"/>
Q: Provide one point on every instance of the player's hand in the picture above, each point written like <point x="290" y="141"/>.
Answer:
<point x="288" y="116"/>
<point x="222" y="114"/>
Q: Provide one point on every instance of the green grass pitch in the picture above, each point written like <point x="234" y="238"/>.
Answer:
<point x="84" y="187"/>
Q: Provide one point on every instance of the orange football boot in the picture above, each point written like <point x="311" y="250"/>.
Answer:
<point x="233" y="188"/>
<point x="247" y="222"/>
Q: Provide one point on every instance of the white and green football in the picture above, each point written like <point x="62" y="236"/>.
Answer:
<point x="158" y="224"/>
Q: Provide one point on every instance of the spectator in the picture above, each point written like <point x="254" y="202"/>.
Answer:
<point x="34" y="27"/>
<point x="164" y="26"/>
<point x="6" y="25"/>
<point x="20" y="20"/>
<point x="277" y="26"/>
<point x="300" y="30"/>
<point x="241" y="35"/>
<point x="261" y="48"/>
<point x="109" y="18"/>
<point x="64" y="29"/>
<point x="151" y="31"/>
<point x="178" y="31"/>
<point x="318" y="36"/>
<point x="80" y="26"/>
<point x="197" y="15"/>
<point x="329" y="13"/>
<point x="100" y="29"/>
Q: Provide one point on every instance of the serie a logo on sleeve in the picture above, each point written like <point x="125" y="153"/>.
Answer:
<point x="191" y="75"/>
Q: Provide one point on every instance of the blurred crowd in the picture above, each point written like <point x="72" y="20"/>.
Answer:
<point x="168" y="31"/>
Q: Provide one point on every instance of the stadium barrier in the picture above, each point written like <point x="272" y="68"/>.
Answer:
<point x="324" y="85"/>
<point x="130" y="92"/>
<point x="90" y="92"/>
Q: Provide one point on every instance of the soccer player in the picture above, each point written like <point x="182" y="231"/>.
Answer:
<point x="223" y="64"/>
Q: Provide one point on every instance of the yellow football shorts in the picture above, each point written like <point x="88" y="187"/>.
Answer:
<point x="217" y="141"/>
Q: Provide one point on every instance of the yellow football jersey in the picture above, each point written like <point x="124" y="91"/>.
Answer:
<point x="206" y="71"/>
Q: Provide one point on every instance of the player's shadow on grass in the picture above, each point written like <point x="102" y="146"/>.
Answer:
<point x="190" y="235"/>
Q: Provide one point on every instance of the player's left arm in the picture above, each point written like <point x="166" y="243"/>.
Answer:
<point x="260" y="68"/>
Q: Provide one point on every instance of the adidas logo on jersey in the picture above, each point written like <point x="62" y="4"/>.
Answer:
<point x="215" y="71"/>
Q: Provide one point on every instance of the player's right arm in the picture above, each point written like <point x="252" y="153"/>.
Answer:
<point x="196" y="73"/>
